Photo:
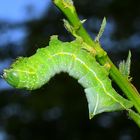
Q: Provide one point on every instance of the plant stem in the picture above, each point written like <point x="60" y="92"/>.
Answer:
<point x="69" y="11"/>
<point x="127" y="88"/>
<point x="66" y="6"/>
<point x="135" y="117"/>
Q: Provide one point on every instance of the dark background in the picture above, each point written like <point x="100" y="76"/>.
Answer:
<point x="58" y="111"/>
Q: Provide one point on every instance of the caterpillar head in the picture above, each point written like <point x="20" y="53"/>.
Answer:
<point x="11" y="76"/>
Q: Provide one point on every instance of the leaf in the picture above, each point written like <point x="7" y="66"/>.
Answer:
<point x="102" y="28"/>
<point x="124" y="67"/>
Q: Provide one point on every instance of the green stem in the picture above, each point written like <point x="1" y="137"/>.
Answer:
<point x="127" y="88"/>
<point x="68" y="9"/>
<point x="135" y="117"/>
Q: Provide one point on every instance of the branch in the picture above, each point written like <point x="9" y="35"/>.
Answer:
<point x="67" y="7"/>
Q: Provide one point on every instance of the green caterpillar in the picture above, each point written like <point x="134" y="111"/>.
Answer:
<point x="33" y="72"/>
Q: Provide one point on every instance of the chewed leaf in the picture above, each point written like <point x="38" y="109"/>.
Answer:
<point x="33" y="72"/>
<point x="124" y="67"/>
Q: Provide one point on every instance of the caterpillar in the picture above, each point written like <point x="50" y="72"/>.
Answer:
<point x="34" y="71"/>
